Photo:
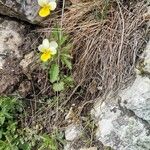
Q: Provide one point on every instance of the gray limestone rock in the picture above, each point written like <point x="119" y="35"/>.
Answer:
<point x="120" y="128"/>
<point x="124" y="121"/>
<point x="12" y="35"/>
<point x="137" y="98"/>
<point x="22" y="9"/>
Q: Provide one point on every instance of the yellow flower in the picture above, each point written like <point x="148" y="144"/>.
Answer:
<point x="46" y="7"/>
<point x="47" y="49"/>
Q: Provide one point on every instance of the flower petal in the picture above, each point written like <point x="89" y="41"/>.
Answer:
<point x="40" y="48"/>
<point x="45" y="57"/>
<point x="44" y="12"/>
<point x="46" y="44"/>
<point x="53" y="51"/>
<point x="53" y="44"/>
<point x="52" y="5"/>
<point x="42" y="3"/>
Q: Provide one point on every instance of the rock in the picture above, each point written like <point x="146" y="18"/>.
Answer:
<point x="22" y="9"/>
<point x="137" y="98"/>
<point x="24" y="88"/>
<point x="120" y="129"/>
<point x="11" y="35"/>
<point x="29" y="63"/>
<point x="7" y="82"/>
<point x="91" y="148"/>
<point x="69" y="146"/>
<point x="124" y="121"/>
<point x="72" y="132"/>
<point x="28" y="59"/>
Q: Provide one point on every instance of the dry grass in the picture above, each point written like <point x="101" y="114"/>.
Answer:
<point x="107" y="39"/>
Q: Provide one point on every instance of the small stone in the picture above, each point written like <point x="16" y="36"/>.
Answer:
<point x="24" y="88"/>
<point x="91" y="148"/>
<point x="72" y="132"/>
<point x="28" y="59"/>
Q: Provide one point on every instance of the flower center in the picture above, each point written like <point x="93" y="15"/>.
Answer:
<point x="47" y="53"/>
<point x="47" y="6"/>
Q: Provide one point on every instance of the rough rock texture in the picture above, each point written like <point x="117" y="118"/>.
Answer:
<point x="120" y="128"/>
<point x="124" y="120"/>
<point x="23" y="9"/>
<point x="72" y="133"/>
<point x="137" y="98"/>
<point x="12" y="35"/>
<point x="147" y="59"/>
<point x="91" y="148"/>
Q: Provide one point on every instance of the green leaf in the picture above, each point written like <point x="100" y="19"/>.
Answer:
<point x="67" y="56"/>
<point x="1" y="133"/>
<point x="67" y="62"/>
<point x="55" y="35"/>
<point x="2" y="119"/>
<point x="57" y="87"/>
<point x="63" y="39"/>
<point x="68" y="79"/>
<point x="25" y="146"/>
<point x="54" y="73"/>
<point x="67" y="48"/>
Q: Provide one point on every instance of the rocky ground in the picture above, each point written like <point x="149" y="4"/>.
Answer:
<point x="123" y="120"/>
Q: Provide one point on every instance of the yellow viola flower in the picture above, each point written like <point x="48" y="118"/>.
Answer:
<point x="47" y="49"/>
<point x="46" y="7"/>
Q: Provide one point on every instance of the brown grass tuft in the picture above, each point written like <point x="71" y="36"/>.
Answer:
<point x="107" y="39"/>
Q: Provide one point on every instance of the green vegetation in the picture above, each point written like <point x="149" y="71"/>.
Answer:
<point x="14" y="137"/>
<point x="61" y="65"/>
<point x="9" y="137"/>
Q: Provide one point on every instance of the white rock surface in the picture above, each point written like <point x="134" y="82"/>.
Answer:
<point x="137" y="98"/>
<point x="91" y="148"/>
<point x="119" y="129"/>
<point x="72" y="132"/>
<point x="124" y="121"/>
